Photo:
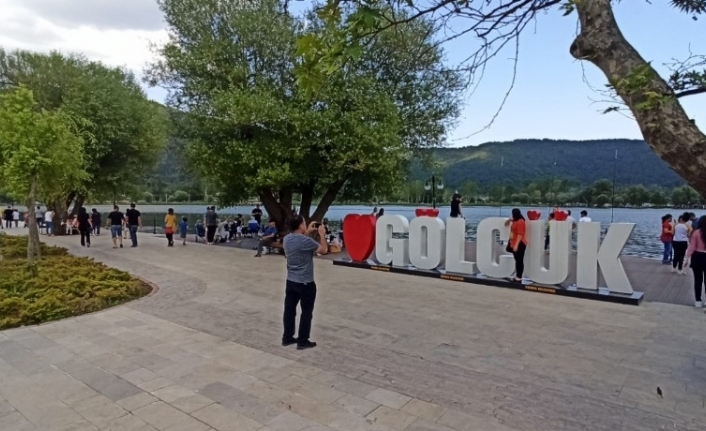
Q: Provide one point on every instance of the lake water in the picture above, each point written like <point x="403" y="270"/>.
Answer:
<point x="643" y="242"/>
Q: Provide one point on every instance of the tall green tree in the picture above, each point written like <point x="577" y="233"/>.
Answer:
<point x="653" y="100"/>
<point x="41" y="155"/>
<point x="128" y="130"/>
<point x="250" y="129"/>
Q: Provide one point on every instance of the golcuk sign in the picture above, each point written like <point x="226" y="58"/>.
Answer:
<point x="432" y="244"/>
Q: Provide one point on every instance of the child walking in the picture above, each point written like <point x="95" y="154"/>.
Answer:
<point x="184" y="229"/>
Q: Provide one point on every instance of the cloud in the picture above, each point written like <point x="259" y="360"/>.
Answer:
<point x="103" y="14"/>
<point x="105" y="33"/>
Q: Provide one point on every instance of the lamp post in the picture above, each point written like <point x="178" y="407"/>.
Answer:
<point x="434" y="184"/>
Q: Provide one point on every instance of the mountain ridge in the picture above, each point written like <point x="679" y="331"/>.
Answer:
<point x="522" y="161"/>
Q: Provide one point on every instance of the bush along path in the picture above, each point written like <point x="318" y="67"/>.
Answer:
<point x="64" y="285"/>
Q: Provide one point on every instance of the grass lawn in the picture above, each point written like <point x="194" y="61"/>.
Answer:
<point x="65" y="285"/>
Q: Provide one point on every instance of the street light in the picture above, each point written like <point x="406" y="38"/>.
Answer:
<point x="434" y="184"/>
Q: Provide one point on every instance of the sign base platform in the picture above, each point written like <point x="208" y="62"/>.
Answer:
<point x="574" y="292"/>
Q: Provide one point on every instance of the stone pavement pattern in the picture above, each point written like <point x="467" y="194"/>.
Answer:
<point x="396" y="353"/>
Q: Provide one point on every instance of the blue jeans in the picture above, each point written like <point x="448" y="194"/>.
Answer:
<point x="49" y="226"/>
<point x="133" y="234"/>
<point x="116" y="231"/>
<point x="667" y="256"/>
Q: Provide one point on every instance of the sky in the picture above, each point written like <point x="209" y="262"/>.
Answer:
<point x="553" y="96"/>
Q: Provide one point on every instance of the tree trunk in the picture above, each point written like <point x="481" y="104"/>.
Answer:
<point x="663" y="122"/>
<point x="80" y="200"/>
<point x="327" y="200"/>
<point x="278" y="210"/>
<point x="33" y="248"/>
<point x="307" y="199"/>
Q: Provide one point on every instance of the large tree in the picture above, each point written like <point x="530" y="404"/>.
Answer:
<point x="653" y="100"/>
<point x="128" y="131"/>
<point x="251" y="130"/>
<point x="41" y="155"/>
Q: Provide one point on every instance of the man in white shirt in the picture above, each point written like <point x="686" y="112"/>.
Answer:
<point x="584" y="217"/>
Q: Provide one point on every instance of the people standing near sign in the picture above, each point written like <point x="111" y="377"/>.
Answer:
<point x="666" y="237"/>
<point x="696" y="255"/>
<point x="134" y="221"/>
<point x="680" y="243"/>
<point x="299" y="249"/>
<point x="547" y="234"/>
<point x="518" y="241"/>
<point x="456" y="210"/>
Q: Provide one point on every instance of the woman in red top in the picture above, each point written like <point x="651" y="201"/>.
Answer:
<point x="518" y="242"/>
<point x="666" y="238"/>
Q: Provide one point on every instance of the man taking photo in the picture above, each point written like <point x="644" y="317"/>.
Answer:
<point x="300" y="249"/>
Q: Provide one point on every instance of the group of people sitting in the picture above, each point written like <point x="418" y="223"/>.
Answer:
<point x="269" y="237"/>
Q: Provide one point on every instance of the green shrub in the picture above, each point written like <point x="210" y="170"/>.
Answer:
<point x="64" y="286"/>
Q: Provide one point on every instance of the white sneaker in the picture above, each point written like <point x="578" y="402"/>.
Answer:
<point x="698" y="304"/>
<point x="674" y="269"/>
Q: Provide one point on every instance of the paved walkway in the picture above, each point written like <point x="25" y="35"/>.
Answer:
<point x="396" y="353"/>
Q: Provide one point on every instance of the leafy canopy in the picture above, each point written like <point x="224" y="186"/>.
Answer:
<point x="230" y="69"/>
<point x="38" y="148"/>
<point x="128" y="131"/>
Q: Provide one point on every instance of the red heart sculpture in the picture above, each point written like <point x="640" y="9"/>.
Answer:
<point x="359" y="235"/>
<point x="534" y="215"/>
<point x="560" y="215"/>
<point x="426" y="212"/>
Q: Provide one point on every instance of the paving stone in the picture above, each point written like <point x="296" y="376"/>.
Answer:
<point x="136" y="401"/>
<point x="356" y="405"/>
<point x="100" y="380"/>
<point x="79" y="426"/>
<point x="391" y="418"/>
<point x="310" y="389"/>
<point x="497" y="359"/>
<point x="99" y="410"/>
<point x="162" y="416"/>
<point x="423" y="409"/>
<point x="191" y="403"/>
<point x="223" y="419"/>
<point x="129" y="423"/>
<point x="343" y="383"/>
<point x="172" y="393"/>
<point x="289" y="421"/>
<point x="388" y="398"/>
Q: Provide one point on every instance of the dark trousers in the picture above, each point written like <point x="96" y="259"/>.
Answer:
<point x="85" y="235"/>
<point x="263" y="242"/>
<point x="698" y="265"/>
<point x="170" y="238"/>
<point x="133" y="234"/>
<point x="679" y="253"/>
<point x="97" y="228"/>
<point x="296" y="293"/>
<point x="8" y="223"/>
<point x="210" y="233"/>
<point x="519" y="256"/>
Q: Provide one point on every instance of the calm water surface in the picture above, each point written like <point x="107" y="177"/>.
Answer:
<point x="644" y="241"/>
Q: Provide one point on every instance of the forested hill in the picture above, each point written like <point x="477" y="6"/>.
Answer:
<point x="524" y="161"/>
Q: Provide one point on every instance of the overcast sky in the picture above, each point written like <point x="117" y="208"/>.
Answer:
<point x="550" y="99"/>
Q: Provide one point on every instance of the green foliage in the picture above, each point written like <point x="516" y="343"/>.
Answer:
<point x="123" y="131"/>
<point x="38" y="149"/>
<point x="252" y="131"/>
<point x="579" y="163"/>
<point x="180" y="196"/>
<point x="64" y="285"/>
